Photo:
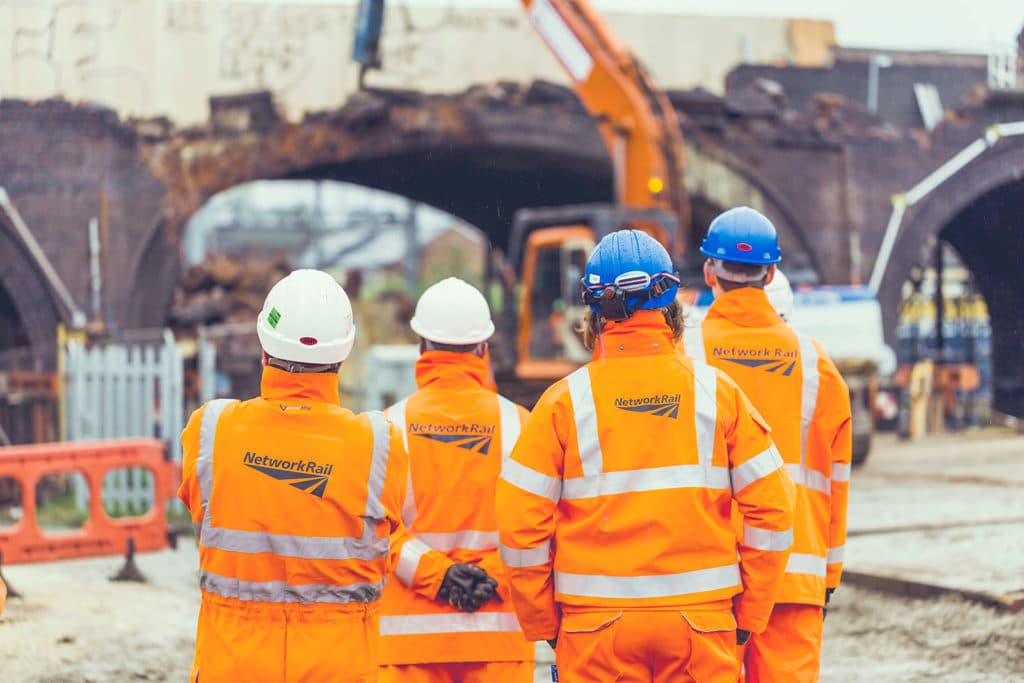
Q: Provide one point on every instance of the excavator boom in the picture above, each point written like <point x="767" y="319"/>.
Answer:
<point x="636" y="120"/>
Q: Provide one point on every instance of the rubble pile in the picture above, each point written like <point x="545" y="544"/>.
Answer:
<point x="225" y="289"/>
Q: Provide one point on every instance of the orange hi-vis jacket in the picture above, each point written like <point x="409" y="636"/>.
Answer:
<point x="457" y="433"/>
<point x="791" y="381"/>
<point x="297" y="503"/>
<point x="620" y="490"/>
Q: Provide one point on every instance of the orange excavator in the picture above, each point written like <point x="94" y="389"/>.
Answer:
<point x="549" y="246"/>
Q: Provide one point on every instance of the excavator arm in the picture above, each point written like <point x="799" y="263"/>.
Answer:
<point x="636" y="120"/>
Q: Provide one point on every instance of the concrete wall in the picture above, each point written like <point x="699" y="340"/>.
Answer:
<point x="166" y="57"/>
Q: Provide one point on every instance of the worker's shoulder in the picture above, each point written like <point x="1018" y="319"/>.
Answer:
<point x="558" y="391"/>
<point x="214" y="405"/>
<point x="825" y="362"/>
<point x="506" y="401"/>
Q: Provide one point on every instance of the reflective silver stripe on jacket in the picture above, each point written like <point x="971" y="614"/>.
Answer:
<point x="459" y="622"/>
<point x="508" y="416"/>
<point x="306" y="547"/>
<point x="761" y="465"/>
<point x="841" y="471"/>
<point x="812" y="479"/>
<point x="367" y="547"/>
<point x="800" y="563"/>
<point x="207" y="437"/>
<point x="396" y="414"/>
<point x="705" y="412"/>
<point x="809" y="390"/>
<point x="281" y="592"/>
<point x="639" y="587"/>
<point x="764" y="539"/>
<point x="526" y="557"/>
<point x="596" y="482"/>
<point x="467" y="539"/>
<point x="587" y="440"/>
<point x="837" y="554"/>
<point x="531" y="481"/>
<point x="409" y="560"/>
<point x="693" y="342"/>
<point x="378" y="466"/>
<point x="647" y="479"/>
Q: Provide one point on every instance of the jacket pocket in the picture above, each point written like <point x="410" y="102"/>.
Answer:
<point x="588" y="622"/>
<point x="709" y="621"/>
<point x="585" y="650"/>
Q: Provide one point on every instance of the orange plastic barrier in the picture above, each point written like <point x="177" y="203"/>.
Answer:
<point x="101" y="534"/>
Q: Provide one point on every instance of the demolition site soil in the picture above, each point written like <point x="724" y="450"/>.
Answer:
<point x="911" y="501"/>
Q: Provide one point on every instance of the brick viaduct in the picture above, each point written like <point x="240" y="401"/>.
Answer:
<point x="824" y="174"/>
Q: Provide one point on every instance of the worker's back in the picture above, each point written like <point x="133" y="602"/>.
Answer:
<point x="642" y="453"/>
<point x="793" y="384"/>
<point x="653" y="429"/>
<point x="296" y="498"/>
<point x="457" y="433"/>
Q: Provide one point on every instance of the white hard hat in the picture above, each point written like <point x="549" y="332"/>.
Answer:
<point x="780" y="294"/>
<point x="453" y="311"/>
<point x="307" y="318"/>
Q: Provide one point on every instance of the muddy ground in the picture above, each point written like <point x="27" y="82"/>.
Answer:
<point x="74" y="626"/>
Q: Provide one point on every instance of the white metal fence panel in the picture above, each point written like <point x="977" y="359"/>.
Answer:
<point x="390" y="374"/>
<point x="120" y="391"/>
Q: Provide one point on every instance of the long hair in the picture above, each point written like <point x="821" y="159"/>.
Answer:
<point x="593" y="324"/>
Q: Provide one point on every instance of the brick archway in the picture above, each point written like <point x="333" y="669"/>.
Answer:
<point x="479" y="155"/>
<point x="978" y="213"/>
<point x="35" y="310"/>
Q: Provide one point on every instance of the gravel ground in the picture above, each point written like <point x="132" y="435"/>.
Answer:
<point x="76" y="627"/>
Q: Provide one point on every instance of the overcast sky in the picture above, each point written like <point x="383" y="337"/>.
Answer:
<point x="974" y="25"/>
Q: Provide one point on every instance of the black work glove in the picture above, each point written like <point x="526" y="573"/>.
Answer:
<point x="467" y="587"/>
<point x="742" y="636"/>
<point x="484" y="591"/>
<point x="828" y="596"/>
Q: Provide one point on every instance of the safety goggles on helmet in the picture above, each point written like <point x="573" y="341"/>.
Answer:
<point x="620" y="299"/>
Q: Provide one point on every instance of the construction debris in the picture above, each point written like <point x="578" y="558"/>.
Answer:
<point x="225" y="289"/>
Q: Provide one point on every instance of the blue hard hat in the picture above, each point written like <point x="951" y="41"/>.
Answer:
<point x="635" y="263"/>
<point x="742" y="235"/>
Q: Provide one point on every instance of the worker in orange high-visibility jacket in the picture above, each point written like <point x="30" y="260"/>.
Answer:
<point x="3" y="596"/>
<point x="457" y="433"/>
<point x="793" y="384"/>
<point x="296" y="503"/>
<point x="614" y="510"/>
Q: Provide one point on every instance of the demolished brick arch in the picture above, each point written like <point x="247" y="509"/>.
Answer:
<point x="38" y="313"/>
<point x="479" y="155"/>
<point x="977" y="212"/>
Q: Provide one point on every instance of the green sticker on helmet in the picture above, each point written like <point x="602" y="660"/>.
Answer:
<point x="273" y="317"/>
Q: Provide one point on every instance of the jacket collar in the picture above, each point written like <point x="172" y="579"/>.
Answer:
<point x="450" y="370"/>
<point x="321" y="387"/>
<point x="747" y="307"/>
<point x="644" y="333"/>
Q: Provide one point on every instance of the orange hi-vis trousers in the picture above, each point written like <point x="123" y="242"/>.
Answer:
<point x="459" y="672"/>
<point x="789" y="650"/>
<point x="690" y="645"/>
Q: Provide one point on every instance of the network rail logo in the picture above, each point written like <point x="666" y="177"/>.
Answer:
<point x="772" y="361"/>
<point x="305" y="475"/>
<point x="471" y="437"/>
<point x="662" y="405"/>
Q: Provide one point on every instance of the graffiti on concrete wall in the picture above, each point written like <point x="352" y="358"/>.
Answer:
<point x="415" y="44"/>
<point x="271" y="46"/>
<point x="60" y="47"/>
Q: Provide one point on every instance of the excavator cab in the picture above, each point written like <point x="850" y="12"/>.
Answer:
<point x="550" y="248"/>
